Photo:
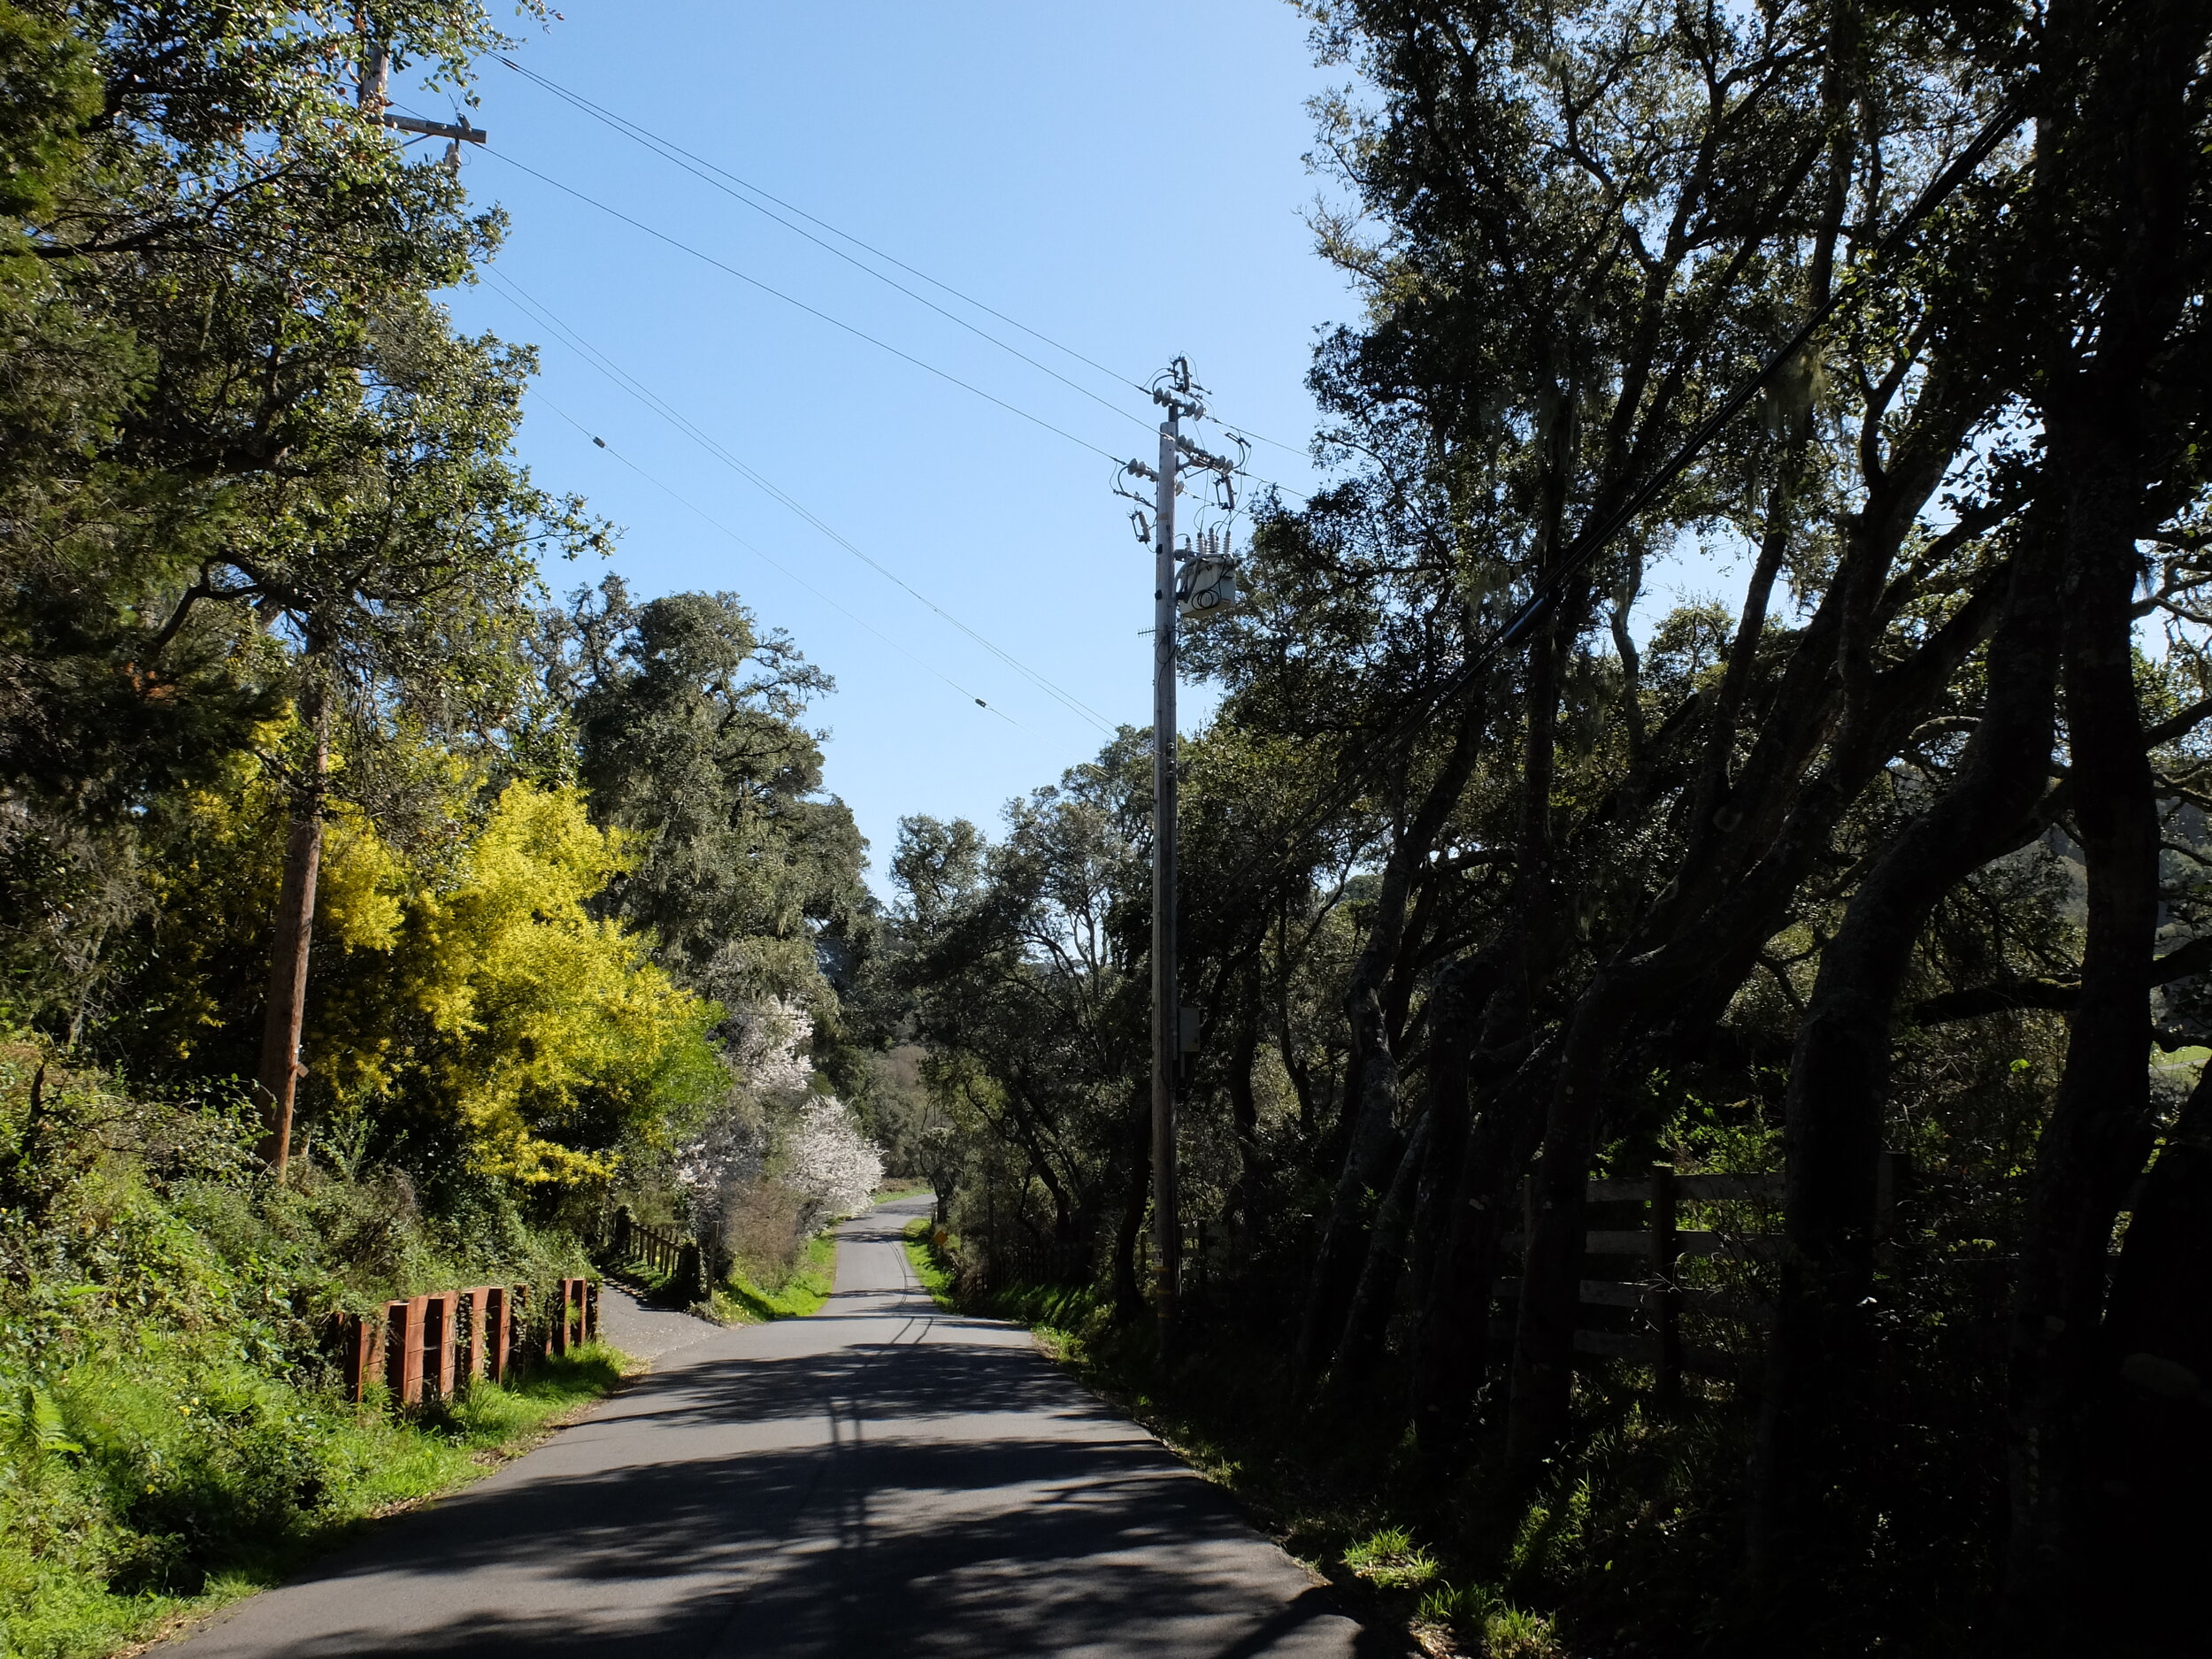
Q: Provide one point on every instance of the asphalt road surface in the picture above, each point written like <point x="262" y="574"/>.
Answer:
<point x="882" y="1478"/>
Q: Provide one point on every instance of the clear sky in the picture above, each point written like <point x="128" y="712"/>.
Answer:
<point x="1126" y="178"/>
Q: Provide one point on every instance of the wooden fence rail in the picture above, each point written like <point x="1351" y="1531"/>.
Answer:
<point x="634" y="1243"/>
<point x="1658" y="1299"/>
<point x="430" y="1347"/>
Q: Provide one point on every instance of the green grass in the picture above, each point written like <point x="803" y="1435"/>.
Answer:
<point x="741" y="1301"/>
<point x="164" y="1484"/>
<point x="923" y="1257"/>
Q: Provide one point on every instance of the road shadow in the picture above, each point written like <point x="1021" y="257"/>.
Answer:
<point x="966" y="1498"/>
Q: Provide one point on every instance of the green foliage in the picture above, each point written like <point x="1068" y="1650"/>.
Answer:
<point x="1390" y="1559"/>
<point x="686" y="719"/>
<point x="268" y="561"/>
<point x="929" y="1266"/>
<point x="172" y="1437"/>
<point x="789" y="1291"/>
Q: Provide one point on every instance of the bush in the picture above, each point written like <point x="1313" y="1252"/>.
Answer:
<point x="170" y="1434"/>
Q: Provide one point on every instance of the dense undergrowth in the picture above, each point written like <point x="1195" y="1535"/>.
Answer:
<point x="173" y="1433"/>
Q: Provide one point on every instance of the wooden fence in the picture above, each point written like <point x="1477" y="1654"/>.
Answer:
<point x="633" y="1243"/>
<point x="1656" y="1298"/>
<point x="430" y="1347"/>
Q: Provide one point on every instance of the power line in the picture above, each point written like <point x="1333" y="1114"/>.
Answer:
<point x="660" y="406"/>
<point x="645" y="136"/>
<point x="773" y="563"/>
<point x="730" y="185"/>
<point x="858" y="334"/>
<point x="701" y="167"/>
<point x="1593" y="538"/>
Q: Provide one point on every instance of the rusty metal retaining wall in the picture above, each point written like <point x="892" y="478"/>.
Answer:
<point x="430" y="1347"/>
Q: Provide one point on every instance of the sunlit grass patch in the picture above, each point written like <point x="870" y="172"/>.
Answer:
<point x="741" y="1301"/>
<point x="921" y="1254"/>
<point x="1480" y="1620"/>
<point x="1391" y="1560"/>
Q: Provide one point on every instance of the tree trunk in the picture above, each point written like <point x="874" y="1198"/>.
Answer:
<point x="1244" y="1113"/>
<point x="2121" y="173"/>
<point x="1813" y="1412"/>
<point x="278" y="1081"/>
<point x="1551" y="1286"/>
<point x="1366" y="1322"/>
<point x="1128" y="1293"/>
<point x="1452" y="1005"/>
<point x="1451" y="1341"/>
<point x="2099" y="1130"/>
<point x="2153" y="1436"/>
<point x="1373" y="1139"/>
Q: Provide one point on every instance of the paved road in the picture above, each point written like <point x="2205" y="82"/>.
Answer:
<point x="648" y="1333"/>
<point x="882" y="1478"/>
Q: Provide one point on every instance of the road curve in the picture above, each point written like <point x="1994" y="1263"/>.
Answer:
<point x="882" y="1478"/>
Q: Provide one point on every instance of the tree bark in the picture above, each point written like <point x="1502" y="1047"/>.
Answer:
<point x="1813" y="1413"/>
<point x="1244" y="1110"/>
<point x="1359" y="1347"/>
<point x="1551" y="1286"/>
<point x="1373" y="1140"/>
<point x="2122" y="174"/>
<point x="2099" y="1130"/>
<point x="278" y="1081"/>
<point x="1451" y="1341"/>
<point x="1128" y="1293"/>
<point x="2153" y="1436"/>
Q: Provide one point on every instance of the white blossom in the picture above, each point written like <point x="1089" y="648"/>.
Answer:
<point x="827" y="1160"/>
<point x="774" y="1127"/>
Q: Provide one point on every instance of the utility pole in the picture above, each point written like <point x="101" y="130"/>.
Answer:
<point x="1207" y="586"/>
<point x="1167" y="1017"/>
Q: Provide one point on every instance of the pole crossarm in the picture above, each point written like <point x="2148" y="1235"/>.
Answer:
<point x="460" y="130"/>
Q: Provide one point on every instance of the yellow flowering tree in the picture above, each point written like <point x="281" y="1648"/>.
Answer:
<point x="495" y="1012"/>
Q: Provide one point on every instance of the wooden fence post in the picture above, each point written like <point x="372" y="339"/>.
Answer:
<point x="361" y="1334"/>
<point x="479" y="1350"/>
<point x="520" y="1347"/>
<point x="1666" y="1304"/>
<point x="622" y="1232"/>
<point x="437" y="1344"/>
<point x="403" y="1349"/>
<point x="1886" y="1173"/>
<point x="495" y="1317"/>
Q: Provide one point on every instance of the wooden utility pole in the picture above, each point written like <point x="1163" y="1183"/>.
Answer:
<point x="1167" y="1020"/>
<point x="280" y="1074"/>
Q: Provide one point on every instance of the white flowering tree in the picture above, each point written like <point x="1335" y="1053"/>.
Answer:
<point x="829" y="1162"/>
<point x="775" y="1150"/>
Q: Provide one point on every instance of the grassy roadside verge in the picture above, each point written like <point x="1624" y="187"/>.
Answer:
<point x="1327" y="1491"/>
<point x="741" y="1300"/>
<point x="146" y="1510"/>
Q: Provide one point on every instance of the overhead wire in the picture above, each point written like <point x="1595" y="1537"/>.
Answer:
<point x="607" y="366"/>
<point x="744" y="190"/>
<point x="740" y="190"/>
<point x="811" y="311"/>
<point x="773" y="563"/>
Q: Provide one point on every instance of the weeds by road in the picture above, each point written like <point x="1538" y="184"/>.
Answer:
<point x="168" y="1487"/>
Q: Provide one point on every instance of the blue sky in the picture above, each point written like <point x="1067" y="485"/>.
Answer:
<point x="1126" y="179"/>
